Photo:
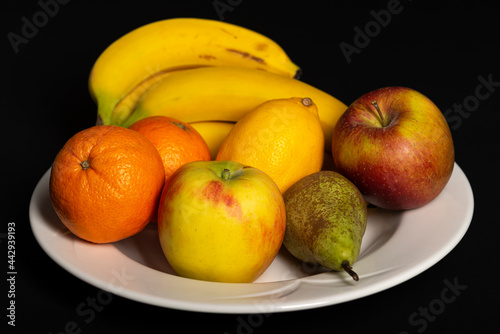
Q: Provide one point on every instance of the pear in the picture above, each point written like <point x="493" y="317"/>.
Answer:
<point x="326" y="220"/>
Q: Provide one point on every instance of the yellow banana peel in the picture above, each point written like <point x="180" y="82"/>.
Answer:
<point x="213" y="133"/>
<point x="227" y="94"/>
<point x="174" y="44"/>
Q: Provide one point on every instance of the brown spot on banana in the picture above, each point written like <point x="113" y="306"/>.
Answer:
<point x="207" y="57"/>
<point x="261" y="47"/>
<point x="247" y="55"/>
<point x="229" y="33"/>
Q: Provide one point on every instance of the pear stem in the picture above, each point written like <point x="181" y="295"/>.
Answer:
<point x="375" y="104"/>
<point x="347" y="267"/>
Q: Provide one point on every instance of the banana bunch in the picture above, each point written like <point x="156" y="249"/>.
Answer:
<point x="208" y="73"/>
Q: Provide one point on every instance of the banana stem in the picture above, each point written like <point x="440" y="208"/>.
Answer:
<point x="347" y="267"/>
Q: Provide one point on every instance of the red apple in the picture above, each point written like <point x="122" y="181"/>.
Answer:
<point x="221" y="221"/>
<point x="395" y="145"/>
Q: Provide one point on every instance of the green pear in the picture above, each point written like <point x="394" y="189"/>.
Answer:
<point x="326" y="219"/>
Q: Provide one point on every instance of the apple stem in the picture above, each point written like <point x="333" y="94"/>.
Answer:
<point x="226" y="173"/>
<point x="347" y="267"/>
<point x="375" y="104"/>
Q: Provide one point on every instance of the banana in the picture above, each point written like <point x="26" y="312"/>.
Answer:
<point x="227" y="94"/>
<point x="127" y="104"/>
<point x="214" y="133"/>
<point x="174" y="44"/>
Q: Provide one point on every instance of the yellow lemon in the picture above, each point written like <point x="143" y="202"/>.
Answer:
<point x="281" y="137"/>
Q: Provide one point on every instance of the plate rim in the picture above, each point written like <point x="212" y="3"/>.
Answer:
<point x="219" y="306"/>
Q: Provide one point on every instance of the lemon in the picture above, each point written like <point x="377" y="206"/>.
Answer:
<point x="281" y="137"/>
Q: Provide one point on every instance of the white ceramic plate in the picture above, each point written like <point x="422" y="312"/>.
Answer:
<point x="396" y="247"/>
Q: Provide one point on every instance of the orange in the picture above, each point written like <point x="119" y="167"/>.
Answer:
<point x="177" y="142"/>
<point x="106" y="182"/>
<point x="281" y="137"/>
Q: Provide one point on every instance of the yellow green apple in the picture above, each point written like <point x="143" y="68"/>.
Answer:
<point x="395" y="145"/>
<point x="220" y="221"/>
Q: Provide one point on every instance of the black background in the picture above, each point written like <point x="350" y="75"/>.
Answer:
<point x="440" y="49"/>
